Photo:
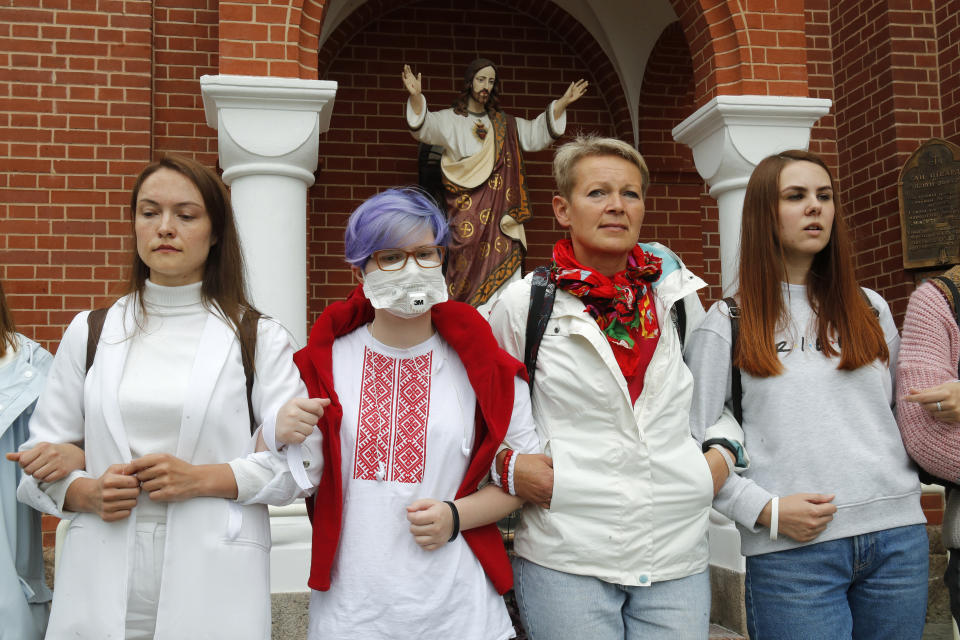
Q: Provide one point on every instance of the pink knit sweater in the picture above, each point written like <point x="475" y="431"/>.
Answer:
<point x="929" y="350"/>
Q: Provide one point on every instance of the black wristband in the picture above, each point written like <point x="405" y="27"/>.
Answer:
<point x="722" y="442"/>
<point x="456" y="520"/>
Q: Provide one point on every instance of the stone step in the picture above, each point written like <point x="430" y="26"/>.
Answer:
<point x="290" y="615"/>
<point x="290" y="619"/>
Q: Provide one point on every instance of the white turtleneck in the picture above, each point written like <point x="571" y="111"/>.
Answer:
<point x="156" y="373"/>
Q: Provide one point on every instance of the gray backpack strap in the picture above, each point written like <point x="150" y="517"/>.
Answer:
<point x="95" y="321"/>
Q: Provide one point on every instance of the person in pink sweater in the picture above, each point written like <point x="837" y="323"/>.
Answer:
<point x="929" y="407"/>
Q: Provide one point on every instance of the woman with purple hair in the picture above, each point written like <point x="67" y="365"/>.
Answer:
<point x="421" y="398"/>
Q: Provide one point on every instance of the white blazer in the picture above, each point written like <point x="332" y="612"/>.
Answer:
<point x="216" y="581"/>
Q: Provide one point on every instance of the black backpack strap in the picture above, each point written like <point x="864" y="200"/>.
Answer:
<point x="95" y="321"/>
<point x="955" y="303"/>
<point x="678" y="314"/>
<point x="247" y="333"/>
<point x="542" y="292"/>
<point x="736" y="384"/>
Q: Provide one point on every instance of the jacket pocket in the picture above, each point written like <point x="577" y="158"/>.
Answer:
<point x="555" y="450"/>
<point x="254" y="525"/>
<point x="704" y="477"/>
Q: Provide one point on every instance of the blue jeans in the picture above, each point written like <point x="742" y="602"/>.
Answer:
<point x="870" y="587"/>
<point x="563" y="606"/>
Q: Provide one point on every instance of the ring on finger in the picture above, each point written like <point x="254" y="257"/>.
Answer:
<point x="939" y="407"/>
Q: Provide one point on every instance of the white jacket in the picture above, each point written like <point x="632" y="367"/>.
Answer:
<point x="632" y="489"/>
<point x="216" y="581"/>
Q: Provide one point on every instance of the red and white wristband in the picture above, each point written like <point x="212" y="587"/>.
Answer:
<point x="504" y="479"/>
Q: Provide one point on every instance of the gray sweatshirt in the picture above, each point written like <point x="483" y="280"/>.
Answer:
<point x="811" y="429"/>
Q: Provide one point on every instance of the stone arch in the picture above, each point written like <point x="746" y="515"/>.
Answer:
<point x="735" y="50"/>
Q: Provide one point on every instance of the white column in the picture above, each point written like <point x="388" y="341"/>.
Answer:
<point x="268" y="133"/>
<point x="729" y="136"/>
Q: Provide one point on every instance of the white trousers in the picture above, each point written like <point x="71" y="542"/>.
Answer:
<point x="146" y="574"/>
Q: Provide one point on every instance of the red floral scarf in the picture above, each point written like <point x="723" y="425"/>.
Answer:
<point x="623" y="306"/>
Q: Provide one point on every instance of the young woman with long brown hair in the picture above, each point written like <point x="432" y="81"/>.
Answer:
<point x="169" y="536"/>
<point x="829" y="510"/>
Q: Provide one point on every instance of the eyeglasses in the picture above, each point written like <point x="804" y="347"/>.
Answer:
<point x="427" y="257"/>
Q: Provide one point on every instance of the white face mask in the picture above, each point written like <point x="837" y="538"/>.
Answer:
<point x="407" y="292"/>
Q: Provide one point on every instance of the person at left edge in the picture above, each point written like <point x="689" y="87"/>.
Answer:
<point x="404" y="544"/>
<point x="24" y="596"/>
<point x="170" y="536"/>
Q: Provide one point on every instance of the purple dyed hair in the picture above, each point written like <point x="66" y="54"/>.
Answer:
<point x="388" y="219"/>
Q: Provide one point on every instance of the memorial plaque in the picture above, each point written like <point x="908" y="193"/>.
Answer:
<point x="929" y="191"/>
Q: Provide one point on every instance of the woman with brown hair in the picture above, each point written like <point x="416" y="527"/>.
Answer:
<point x="165" y="414"/>
<point x="829" y="510"/>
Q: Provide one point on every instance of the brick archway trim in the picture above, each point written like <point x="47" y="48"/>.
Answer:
<point x="745" y="50"/>
<point x="278" y="39"/>
<point x="737" y="51"/>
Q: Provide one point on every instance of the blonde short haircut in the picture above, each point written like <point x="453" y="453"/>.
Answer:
<point x="583" y="146"/>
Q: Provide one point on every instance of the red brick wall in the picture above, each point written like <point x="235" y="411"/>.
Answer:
<point x="947" y="16"/>
<point x="820" y="78"/>
<point x="185" y="47"/>
<point x="75" y="122"/>
<point x="369" y="148"/>
<point x="887" y="102"/>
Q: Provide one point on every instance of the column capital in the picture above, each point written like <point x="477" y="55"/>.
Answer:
<point x="730" y="135"/>
<point x="268" y="126"/>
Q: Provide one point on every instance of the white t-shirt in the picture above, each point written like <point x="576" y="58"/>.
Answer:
<point x="407" y="433"/>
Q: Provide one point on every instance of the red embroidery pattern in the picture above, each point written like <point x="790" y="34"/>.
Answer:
<point x="393" y="415"/>
<point x="373" y="425"/>
<point x="413" y="409"/>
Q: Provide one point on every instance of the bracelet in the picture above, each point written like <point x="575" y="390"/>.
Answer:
<point x="727" y="456"/>
<point x="456" y="520"/>
<point x="505" y="480"/>
<point x="494" y="476"/>
<point x="774" y="517"/>
<point x="510" y="488"/>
